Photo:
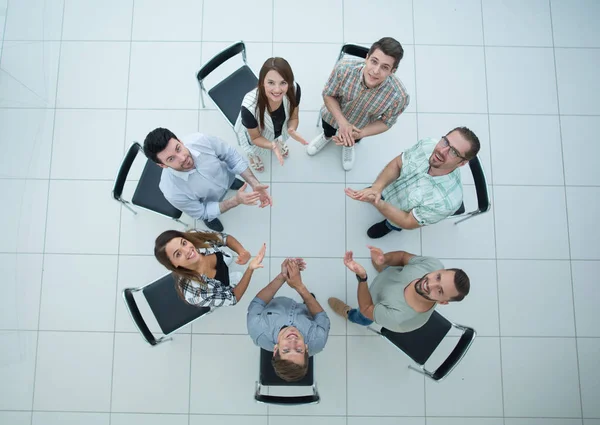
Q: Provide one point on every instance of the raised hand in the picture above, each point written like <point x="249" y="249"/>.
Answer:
<point x="247" y="198"/>
<point x="377" y="257"/>
<point x="346" y="134"/>
<point x="264" y="197"/>
<point x="293" y="275"/>
<point x="277" y="152"/>
<point x="300" y="263"/>
<point x="243" y="257"/>
<point x="256" y="262"/>
<point x="370" y="195"/>
<point x="352" y="265"/>
<point x="296" y="136"/>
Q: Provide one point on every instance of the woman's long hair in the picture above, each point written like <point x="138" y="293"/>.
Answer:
<point x="198" y="239"/>
<point x="283" y="68"/>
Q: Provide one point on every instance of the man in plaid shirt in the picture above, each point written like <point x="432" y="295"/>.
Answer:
<point x="422" y="185"/>
<point x="361" y="99"/>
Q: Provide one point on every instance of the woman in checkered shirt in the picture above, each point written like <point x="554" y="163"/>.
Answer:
<point x="201" y="265"/>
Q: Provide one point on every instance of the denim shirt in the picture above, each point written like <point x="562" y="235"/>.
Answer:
<point x="266" y="320"/>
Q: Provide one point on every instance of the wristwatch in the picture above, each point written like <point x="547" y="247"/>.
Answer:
<point x="360" y="279"/>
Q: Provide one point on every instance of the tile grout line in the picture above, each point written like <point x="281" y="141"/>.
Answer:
<point x="487" y="100"/>
<point x="112" y="372"/>
<point x="417" y="128"/>
<point x="345" y="231"/>
<point x="37" y="343"/>
<point x="4" y="32"/>
<point x="566" y="211"/>
<point x="271" y="176"/>
<point x="199" y="103"/>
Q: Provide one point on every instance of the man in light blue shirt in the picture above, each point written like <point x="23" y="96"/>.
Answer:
<point x="292" y="331"/>
<point x="198" y="171"/>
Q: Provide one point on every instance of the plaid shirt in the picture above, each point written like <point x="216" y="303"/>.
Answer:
<point x="360" y="104"/>
<point x="210" y="292"/>
<point x="431" y="199"/>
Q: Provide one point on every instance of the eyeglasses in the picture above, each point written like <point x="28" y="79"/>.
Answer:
<point x="453" y="151"/>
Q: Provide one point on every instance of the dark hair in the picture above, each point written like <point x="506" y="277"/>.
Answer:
<point x="283" y="68"/>
<point x="198" y="239"/>
<point x="156" y="141"/>
<point x="390" y="47"/>
<point x="289" y="371"/>
<point x="462" y="284"/>
<point x="471" y="138"/>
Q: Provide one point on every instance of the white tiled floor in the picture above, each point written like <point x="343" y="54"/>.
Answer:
<point x="81" y="80"/>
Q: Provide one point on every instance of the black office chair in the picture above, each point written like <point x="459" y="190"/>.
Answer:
<point x="483" y="198"/>
<point x="420" y="344"/>
<point x="353" y="50"/>
<point x="268" y="377"/>
<point x="350" y="50"/>
<point x="147" y="194"/>
<point x="230" y="92"/>
<point x="171" y="312"/>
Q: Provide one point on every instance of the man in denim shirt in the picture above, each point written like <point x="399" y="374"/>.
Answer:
<point x="292" y="331"/>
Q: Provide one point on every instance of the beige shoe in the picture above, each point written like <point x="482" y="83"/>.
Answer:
<point x="339" y="307"/>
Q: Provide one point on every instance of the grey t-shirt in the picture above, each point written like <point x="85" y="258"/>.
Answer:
<point x="387" y="290"/>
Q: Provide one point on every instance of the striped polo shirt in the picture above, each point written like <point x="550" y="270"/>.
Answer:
<point x="360" y="104"/>
<point x="430" y="199"/>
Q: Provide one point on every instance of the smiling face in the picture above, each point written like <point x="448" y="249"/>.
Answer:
<point x="377" y="68"/>
<point x="444" y="156"/>
<point x="437" y="286"/>
<point x="291" y="346"/>
<point x="182" y="253"/>
<point x="275" y="86"/>
<point x="176" y="156"/>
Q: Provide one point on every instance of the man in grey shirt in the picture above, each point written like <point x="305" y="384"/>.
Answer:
<point x="198" y="171"/>
<point x="292" y="331"/>
<point x="404" y="293"/>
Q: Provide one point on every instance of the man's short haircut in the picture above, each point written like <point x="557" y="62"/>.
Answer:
<point x="462" y="284"/>
<point x="156" y="141"/>
<point x="390" y="47"/>
<point x="471" y="138"/>
<point x="287" y="370"/>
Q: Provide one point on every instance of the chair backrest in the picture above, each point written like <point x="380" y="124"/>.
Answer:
<point x="220" y="58"/>
<point x="420" y="344"/>
<point x="268" y="377"/>
<point x="170" y="310"/>
<point x="354" y="50"/>
<point x="229" y="93"/>
<point x="148" y="194"/>
<point x="124" y="170"/>
<point x="456" y="355"/>
<point x="136" y="315"/>
<point x="483" y="198"/>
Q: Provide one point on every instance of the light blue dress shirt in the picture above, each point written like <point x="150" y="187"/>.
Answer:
<point x="266" y="320"/>
<point x="198" y="192"/>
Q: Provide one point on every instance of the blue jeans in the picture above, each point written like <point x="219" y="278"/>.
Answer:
<point x="355" y="316"/>
<point x="391" y="226"/>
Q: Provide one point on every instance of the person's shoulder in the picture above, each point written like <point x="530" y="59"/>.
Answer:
<point x="429" y="264"/>
<point x="397" y="86"/>
<point x="347" y="65"/>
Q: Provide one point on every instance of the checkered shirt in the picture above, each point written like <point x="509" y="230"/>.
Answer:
<point x="210" y="292"/>
<point x="430" y="199"/>
<point x="360" y="104"/>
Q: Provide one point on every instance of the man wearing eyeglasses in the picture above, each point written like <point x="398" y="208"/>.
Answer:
<point x="422" y="185"/>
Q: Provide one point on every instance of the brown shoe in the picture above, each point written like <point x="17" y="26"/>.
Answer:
<point x="339" y="307"/>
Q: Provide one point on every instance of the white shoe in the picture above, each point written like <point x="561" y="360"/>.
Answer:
<point x="317" y="144"/>
<point x="347" y="157"/>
